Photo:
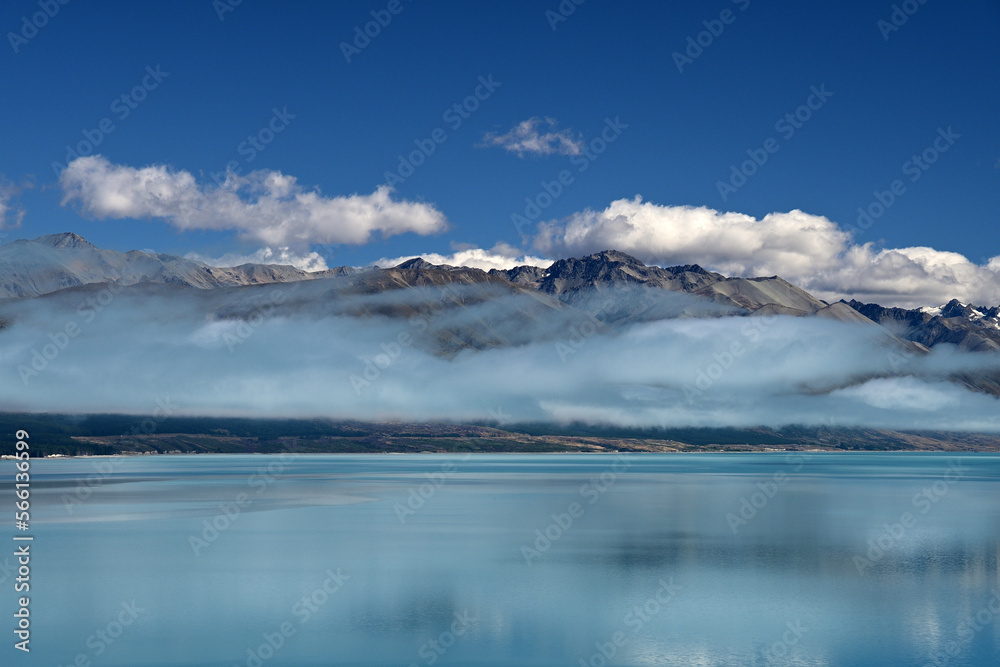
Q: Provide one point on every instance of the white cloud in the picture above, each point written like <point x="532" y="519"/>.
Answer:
<point x="315" y="356"/>
<point x="908" y="277"/>
<point x="808" y="250"/>
<point x="265" y="206"/>
<point x="905" y="393"/>
<point x="311" y="261"/>
<point x="530" y="136"/>
<point x="501" y="256"/>
<point x="274" y="210"/>
<point x="733" y="243"/>
<point x="11" y="212"/>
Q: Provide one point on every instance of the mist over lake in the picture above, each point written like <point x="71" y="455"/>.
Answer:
<point x="500" y="334"/>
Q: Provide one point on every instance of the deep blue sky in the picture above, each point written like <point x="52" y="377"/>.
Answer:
<point x="609" y="59"/>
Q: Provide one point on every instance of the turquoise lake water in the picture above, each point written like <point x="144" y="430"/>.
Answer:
<point x="714" y="559"/>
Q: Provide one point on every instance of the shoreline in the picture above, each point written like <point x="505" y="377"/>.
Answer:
<point x="62" y="436"/>
<point x="956" y="452"/>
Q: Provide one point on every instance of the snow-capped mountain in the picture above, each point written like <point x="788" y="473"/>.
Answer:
<point x="618" y="285"/>
<point x="55" y="262"/>
<point x="969" y="327"/>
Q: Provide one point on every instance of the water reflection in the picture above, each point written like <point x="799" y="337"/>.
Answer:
<point x="221" y="556"/>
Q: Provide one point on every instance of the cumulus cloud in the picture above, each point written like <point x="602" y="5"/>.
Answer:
<point x="808" y="250"/>
<point x="733" y="243"/>
<point x="311" y="261"/>
<point x="908" y="277"/>
<point x="536" y="136"/>
<point x="501" y="256"/>
<point x="274" y="210"/>
<point x="264" y="206"/>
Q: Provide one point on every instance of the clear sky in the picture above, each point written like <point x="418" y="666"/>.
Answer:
<point x="678" y="115"/>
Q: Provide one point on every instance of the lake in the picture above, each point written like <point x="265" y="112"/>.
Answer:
<point x="636" y="559"/>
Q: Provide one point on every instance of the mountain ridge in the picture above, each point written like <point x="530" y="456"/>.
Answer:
<point x="31" y="268"/>
<point x="637" y="292"/>
<point x="962" y="325"/>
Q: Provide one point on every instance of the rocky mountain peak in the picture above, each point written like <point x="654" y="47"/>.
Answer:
<point x="612" y="256"/>
<point x="688" y="268"/>
<point x="956" y="308"/>
<point x="417" y="263"/>
<point x="64" y="240"/>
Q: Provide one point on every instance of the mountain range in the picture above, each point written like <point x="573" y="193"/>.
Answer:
<point x="601" y="340"/>
<point x="58" y="261"/>
<point x="619" y="286"/>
